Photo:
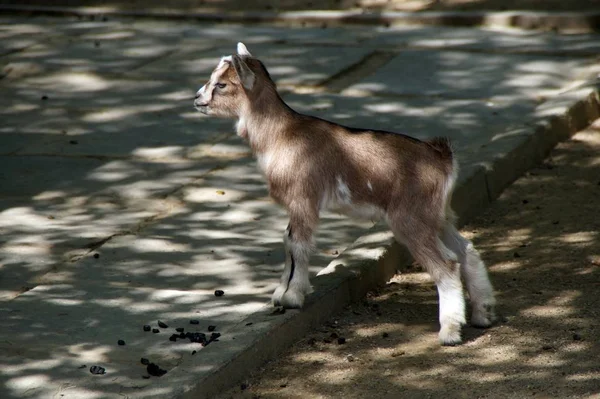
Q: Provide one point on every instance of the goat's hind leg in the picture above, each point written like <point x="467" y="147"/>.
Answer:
<point x="294" y="283"/>
<point x="475" y="274"/>
<point x="441" y="264"/>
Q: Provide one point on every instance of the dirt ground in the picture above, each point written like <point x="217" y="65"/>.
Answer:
<point x="541" y="241"/>
<point x="289" y="5"/>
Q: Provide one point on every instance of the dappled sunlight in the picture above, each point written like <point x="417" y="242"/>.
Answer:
<point x="123" y="206"/>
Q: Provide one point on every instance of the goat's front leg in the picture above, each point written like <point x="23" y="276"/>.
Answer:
<point x="295" y="283"/>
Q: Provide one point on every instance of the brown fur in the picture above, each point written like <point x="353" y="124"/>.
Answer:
<point x="310" y="163"/>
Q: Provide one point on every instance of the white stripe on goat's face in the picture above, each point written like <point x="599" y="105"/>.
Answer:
<point x="217" y="96"/>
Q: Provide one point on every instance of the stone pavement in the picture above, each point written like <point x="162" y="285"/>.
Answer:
<point x="120" y="205"/>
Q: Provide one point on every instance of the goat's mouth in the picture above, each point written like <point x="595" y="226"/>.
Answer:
<point x="203" y="108"/>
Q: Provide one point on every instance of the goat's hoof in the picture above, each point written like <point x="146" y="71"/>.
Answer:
<point x="483" y="317"/>
<point x="450" y="335"/>
<point x="288" y="299"/>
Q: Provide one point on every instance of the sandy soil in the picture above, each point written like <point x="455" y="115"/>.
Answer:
<point x="541" y="241"/>
<point x="374" y="5"/>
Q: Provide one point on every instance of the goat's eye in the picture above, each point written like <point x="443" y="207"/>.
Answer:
<point x="221" y="85"/>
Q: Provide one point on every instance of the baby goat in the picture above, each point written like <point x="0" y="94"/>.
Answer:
<point x="312" y="164"/>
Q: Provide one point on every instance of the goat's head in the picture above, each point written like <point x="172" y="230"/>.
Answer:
<point x="227" y="92"/>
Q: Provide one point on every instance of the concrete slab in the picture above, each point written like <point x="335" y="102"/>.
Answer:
<point x="485" y="40"/>
<point x="174" y="206"/>
<point x="455" y="74"/>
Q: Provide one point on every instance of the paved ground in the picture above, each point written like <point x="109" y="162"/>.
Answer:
<point x="122" y="206"/>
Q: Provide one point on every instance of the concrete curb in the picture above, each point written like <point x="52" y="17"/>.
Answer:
<point x="374" y="257"/>
<point x="565" y="22"/>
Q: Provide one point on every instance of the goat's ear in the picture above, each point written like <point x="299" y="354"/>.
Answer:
<point x="246" y="76"/>
<point x="242" y="50"/>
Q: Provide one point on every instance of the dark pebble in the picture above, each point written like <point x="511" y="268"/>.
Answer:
<point x="97" y="43"/>
<point x="211" y="328"/>
<point x="44" y="97"/>
<point x="243" y="386"/>
<point x="154" y="370"/>
<point x="155" y="330"/>
<point x="162" y="325"/>
<point x="385" y="335"/>
<point x="97" y="370"/>
<point x="121" y="342"/>
<point x="82" y="366"/>
<point x="145" y="377"/>
<point x="341" y="340"/>
<point x="73" y="142"/>
<point x="193" y="352"/>
<point x="180" y="329"/>
<point x="194" y="321"/>
<point x="249" y="324"/>
<point x="144" y="361"/>
<point x="96" y="256"/>
<point x="576" y="337"/>
<point x="555" y="222"/>
<point x="198" y="337"/>
<point x="219" y="293"/>
<point x="147" y="327"/>
<point x="174" y="337"/>
<point x="526" y="201"/>
<point x="516" y="255"/>
<point x="282" y="385"/>
<point x="547" y="347"/>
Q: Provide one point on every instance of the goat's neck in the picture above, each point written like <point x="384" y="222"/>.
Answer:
<point x="264" y="120"/>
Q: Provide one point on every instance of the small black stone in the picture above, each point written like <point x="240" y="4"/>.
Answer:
<point x="385" y="335"/>
<point x="147" y="327"/>
<point x="526" y="201"/>
<point x="121" y="342"/>
<point x="96" y="256"/>
<point x="73" y="142"/>
<point x="144" y="361"/>
<point x="555" y="222"/>
<point x="180" y="329"/>
<point x="576" y="337"/>
<point x="154" y="370"/>
<point x="82" y="366"/>
<point x="162" y="325"/>
<point x="97" y="370"/>
<point x="194" y="321"/>
<point x="174" y="337"/>
<point x="155" y="330"/>
<point x="341" y="340"/>
<point x="97" y="43"/>
<point x="44" y="97"/>
<point x="211" y="328"/>
<point x="243" y="386"/>
<point x="145" y="377"/>
<point x="193" y="352"/>
<point x="219" y="293"/>
<point x="516" y="255"/>
<point x="249" y="324"/>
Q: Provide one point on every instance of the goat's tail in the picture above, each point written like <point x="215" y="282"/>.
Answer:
<point x="443" y="146"/>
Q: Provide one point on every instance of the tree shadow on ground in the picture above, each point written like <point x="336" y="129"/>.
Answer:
<point x="104" y="156"/>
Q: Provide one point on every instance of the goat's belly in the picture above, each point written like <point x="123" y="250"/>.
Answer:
<point x="365" y="212"/>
